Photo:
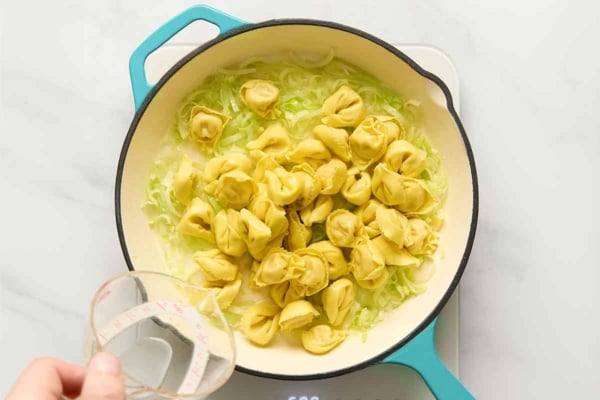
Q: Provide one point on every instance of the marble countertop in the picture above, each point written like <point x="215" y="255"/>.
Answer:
<point x="530" y="84"/>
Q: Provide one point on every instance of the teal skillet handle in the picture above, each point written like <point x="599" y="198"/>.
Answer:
<point x="139" y="83"/>
<point x="420" y="355"/>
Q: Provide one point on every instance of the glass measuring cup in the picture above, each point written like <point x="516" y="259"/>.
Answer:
<point x="171" y="337"/>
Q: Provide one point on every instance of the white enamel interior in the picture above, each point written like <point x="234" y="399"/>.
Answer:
<point x="281" y="358"/>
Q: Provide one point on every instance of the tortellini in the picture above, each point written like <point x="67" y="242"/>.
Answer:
<point x="367" y="214"/>
<point x="260" y="322"/>
<point x="321" y="339"/>
<point x="404" y="158"/>
<point x="395" y="255"/>
<point x="336" y="140"/>
<point x="392" y="225"/>
<point x="197" y="220"/>
<point x="390" y="126"/>
<point x="421" y="239"/>
<point x="264" y="164"/>
<point x="388" y="186"/>
<point x="299" y="234"/>
<point x="233" y="189"/>
<point x="342" y="228"/>
<point x="332" y="176"/>
<point x="344" y="108"/>
<point x="357" y="188"/>
<point x="368" y="265"/>
<point x="417" y="198"/>
<point x="283" y="187"/>
<point x="218" y="166"/>
<point x="215" y="266"/>
<point x="278" y="266"/>
<point x="318" y="211"/>
<point x="274" y="141"/>
<point x="296" y="315"/>
<point x="310" y="151"/>
<point x="224" y="292"/>
<point x="285" y="292"/>
<point x="367" y="143"/>
<point x="271" y="214"/>
<point x="261" y="97"/>
<point x="338" y="299"/>
<point x="205" y="127"/>
<point x="315" y="276"/>
<point x="184" y="180"/>
<point x="338" y="266"/>
<point x="255" y="233"/>
<point x="227" y="235"/>
<point x="311" y="185"/>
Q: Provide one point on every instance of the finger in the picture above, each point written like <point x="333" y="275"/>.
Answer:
<point x="48" y="379"/>
<point x="103" y="379"/>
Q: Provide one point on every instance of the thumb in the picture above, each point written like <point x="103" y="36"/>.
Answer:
<point x="104" y="379"/>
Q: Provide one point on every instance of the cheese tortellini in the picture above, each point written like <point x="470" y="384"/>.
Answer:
<point x="310" y="151"/>
<point x="321" y="339"/>
<point x="298" y="234"/>
<point x="198" y="220"/>
<point x="315" y="276"/>
<point x="336" y="140"/>
<point x="318" y="211"/>
<point x="404" y="158"/>
<point x="297" y="314"/>
<point x="233" y="189"/>
<point x="261" y="97"/>
<point x="394" y="255"/>
<point x="227" y="235"/>
<point x="260" y="322"/>
<point x="367" y="264"/>
<point x="338" y="299"/>
<point x="311" y="185"/>
<point x="367" y="213"/>
<point x="367" y="143"/>
<point x="332" y="176"/>
<point x="215" y="266"/>
<point x="285" y="292"/>
<point x="311" y="210"/>
<point x="279" y="266"/>
<point x="421" y="240"/>
<point x="218" y="166"/>
<point x="184" y="180"/>
<point x="274" y="141"/>
<point x="270" y="213"/>
<point x="417" y="199"/>
<point x="344" y="108"/>
<point x="343" y="228"/>
<point x="392" y="224"/>
<point x="255" y="233"/>
<point x="388" y="186"/>
<point x="284" y="187"/>
<point x="357" y="188"/>
<point x="205" y="127"/>
<point x="338" y="266"/>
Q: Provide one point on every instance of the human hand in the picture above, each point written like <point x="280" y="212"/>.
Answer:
<point x="50" y="379"/>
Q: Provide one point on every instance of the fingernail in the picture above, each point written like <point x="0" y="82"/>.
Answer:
<point x="105" y="363"/>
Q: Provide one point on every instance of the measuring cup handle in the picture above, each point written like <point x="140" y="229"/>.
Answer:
<point x="420" y="355"/>
<point x="137" y="73"/>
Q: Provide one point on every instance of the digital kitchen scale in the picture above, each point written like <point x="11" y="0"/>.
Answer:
<point x="378" y="382"/>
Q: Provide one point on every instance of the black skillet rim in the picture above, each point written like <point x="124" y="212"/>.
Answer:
<point x="426" y="74"/>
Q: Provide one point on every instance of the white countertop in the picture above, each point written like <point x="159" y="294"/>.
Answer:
<point x="530" y="92"/>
